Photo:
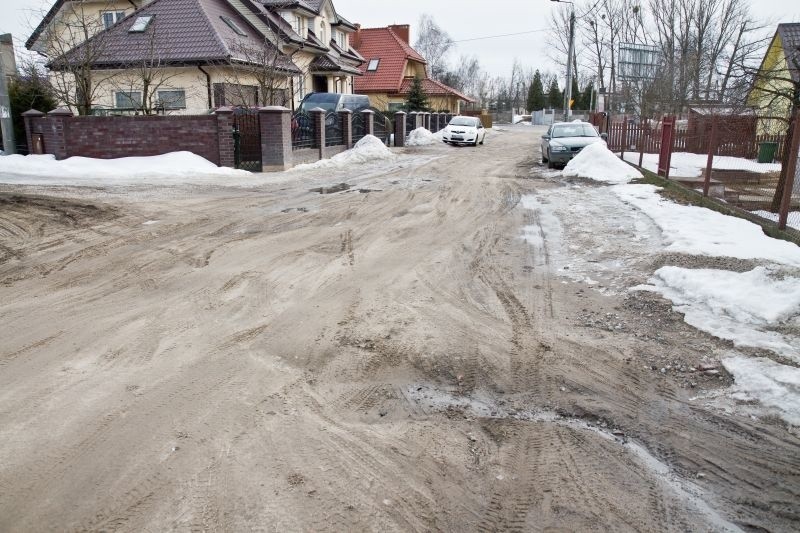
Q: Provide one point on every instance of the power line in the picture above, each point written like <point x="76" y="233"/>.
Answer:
<point x="503" y="35"/>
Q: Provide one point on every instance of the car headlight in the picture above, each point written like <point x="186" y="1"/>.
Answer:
<point x="559" y="148"/>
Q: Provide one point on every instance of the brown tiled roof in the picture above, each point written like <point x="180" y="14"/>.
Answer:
<point x="434" y="88"/>
<point x="790" y="39"/>
<point x="327" y="63"/>
<point x="181" y="32"/>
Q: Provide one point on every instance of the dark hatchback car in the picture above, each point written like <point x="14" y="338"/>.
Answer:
<point x="565" y="140"/>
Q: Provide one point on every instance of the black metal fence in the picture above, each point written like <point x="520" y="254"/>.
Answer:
<point x="247" y="140"/>
<point x="383" y="127"/>
<point x="304" y="131"/>
<point x="359" y="127"/>
<point x="334" y="136"/>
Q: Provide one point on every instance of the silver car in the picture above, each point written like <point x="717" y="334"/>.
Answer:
<point x="565" y="140"/>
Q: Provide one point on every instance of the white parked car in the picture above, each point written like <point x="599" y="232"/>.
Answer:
<point x="464" y="130"/>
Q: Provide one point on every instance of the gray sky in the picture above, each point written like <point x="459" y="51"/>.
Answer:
<point x="462" y="19"/>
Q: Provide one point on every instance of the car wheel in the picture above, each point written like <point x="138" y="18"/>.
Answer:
<point x="550" y="163"/>
<point x="544" y="158"/>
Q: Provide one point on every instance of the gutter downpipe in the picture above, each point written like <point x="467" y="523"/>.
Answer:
<point x="208" y="86"/>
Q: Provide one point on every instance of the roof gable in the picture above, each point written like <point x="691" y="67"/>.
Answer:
<point x="790" y="39"/>
<point x="182" y="32"/>
<point x="394" y="55"/>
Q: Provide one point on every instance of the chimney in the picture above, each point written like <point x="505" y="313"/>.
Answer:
<point x="403" y="31"/>
<point x="355" y="39"/>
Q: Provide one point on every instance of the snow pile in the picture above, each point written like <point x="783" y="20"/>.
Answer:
<point x="701" y="231"/>
<point x="598" y="163"/>
<point x="423" y="137"/>
<point x="775" y="386"/>
<point x="370" y="148"/>
<point x="172" y="166"/>
<point x="686" y="165"/>
<point x="793" y="221"/>
<point x="739" y="307"/>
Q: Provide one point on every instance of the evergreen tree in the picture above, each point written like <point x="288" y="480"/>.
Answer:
<point x="536" y="99"/>
<point x="577" y="97"/>
<point x="417" y="99"/>
<point x="30" y="90"/>
<point x="555" y="99"/>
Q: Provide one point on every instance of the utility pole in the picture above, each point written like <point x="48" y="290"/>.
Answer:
<point x="6" y="124"/>
<point x="571" y="51"/>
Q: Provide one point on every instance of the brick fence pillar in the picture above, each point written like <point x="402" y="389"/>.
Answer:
<point x="369" y="121"/>
<point x="225" y="136"/>
<point x="400" y="128"/>
<point x="59" y="124"/>
<point x="318" y="118"/>
<point x="28" y="117"/>
<point x="276" y="138"/>
<point x="435" y="122"/>
<point x="346" y="123"/>
<point x="427" y="121"/>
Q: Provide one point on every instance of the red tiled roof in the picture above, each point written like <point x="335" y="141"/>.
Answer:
<point x="434" y="88"/>
<point x="393" y="52"/>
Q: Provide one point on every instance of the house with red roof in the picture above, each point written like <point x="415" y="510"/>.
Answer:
<point x="390" y="66"/>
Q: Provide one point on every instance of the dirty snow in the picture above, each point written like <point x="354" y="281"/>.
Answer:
<point x="774" y="386"/>
<point x="598" y="163"/>
<point x="701" y="231"/>
<point x="368" y="149"/>
<point x="739" y="307"/>
<point x="687" y="165"/>
<point x="423" y="137"/>
<point x="175" y="166"/>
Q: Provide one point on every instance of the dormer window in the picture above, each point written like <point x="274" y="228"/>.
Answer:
<point x="322" y="33"/>
<point x="373" y="65"/>
<point x="299" y="26"/>
<point x="232" y="25"/>
<point x="141" y="23"/>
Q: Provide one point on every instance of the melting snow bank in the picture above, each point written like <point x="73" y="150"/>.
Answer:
<point x="739" y="307"/>
<point x="423" y="137"/>
<point x="701" y="231"/>
<point x="598" y="163"/>
<point x="775" y="386"/>
<point x="368" y="149"/>
<point x="688" y="165"/>
<point x="175" y="166"/>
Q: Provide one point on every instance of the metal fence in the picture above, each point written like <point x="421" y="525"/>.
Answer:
<point x="359" y="127"/>
<point x="304" y="131"/>
<point x="383" y="127"/>
<point x="334" y="135"/>
<point x="756" y="173"/>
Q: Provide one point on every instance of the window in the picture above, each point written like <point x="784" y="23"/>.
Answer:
<point x="172" y="99"/>
<point x="341" y="38"/>
<point x="300" y="26"/>
<point x="111" y="17"/>
<point x="395" y="106"/>
<point x="128" y="99"/>
<point x="322" y="32"/>
<point x="232" y="25"/>
<point x="141" y="23"/>
<point x="373" y="65"/>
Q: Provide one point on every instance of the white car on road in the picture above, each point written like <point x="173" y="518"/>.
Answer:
<point x="464" y="130"/>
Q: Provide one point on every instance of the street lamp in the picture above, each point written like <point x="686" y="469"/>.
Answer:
<point x="568" y="88"/>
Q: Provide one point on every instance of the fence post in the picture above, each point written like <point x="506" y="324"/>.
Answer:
<point x="369" y="121"/>
<point x="791" y="169"/>
<point x="712" y="147"/>
<point x="346" y="123"/>
<point x="665" y="152"/>
<point x="28" y="116"/>
<point x="644" y="130"/>
<point x="400" y="128"/>
<point x="275" y="123"/>
<point x="318" y="116"/>
<point x="225" y="137"/>
<point x="624" y="137"/>
<point x="60" y="125"/>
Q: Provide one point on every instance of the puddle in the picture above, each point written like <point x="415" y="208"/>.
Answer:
<point x="331" y="189"/>
<point x="298" y="209"/>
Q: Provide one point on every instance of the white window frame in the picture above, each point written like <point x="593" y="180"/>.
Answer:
<point x="116" y="16"/>
<point x="136" y="101"/>
<point x="141" y="23"/>
<point x="171" y="107"/>
<point x="373" y="65"/>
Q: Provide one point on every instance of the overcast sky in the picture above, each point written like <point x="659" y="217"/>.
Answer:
<point x="468" y="19"/>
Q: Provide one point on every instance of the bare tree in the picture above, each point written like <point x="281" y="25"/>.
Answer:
<point x="265" y="65"/>
<point x="434" y="44"/>
<point x="74" y="81"/>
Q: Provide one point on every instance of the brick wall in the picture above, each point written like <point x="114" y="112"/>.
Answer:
<point x="113" y="137"/>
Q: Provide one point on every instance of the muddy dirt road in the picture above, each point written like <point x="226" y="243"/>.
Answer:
<point x="394" y="358"/>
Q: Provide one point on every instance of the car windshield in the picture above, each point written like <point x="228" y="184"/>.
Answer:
<point x="464" y="121"/>
<point x="574" y="130"/>
<point x="326" y="101"/>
